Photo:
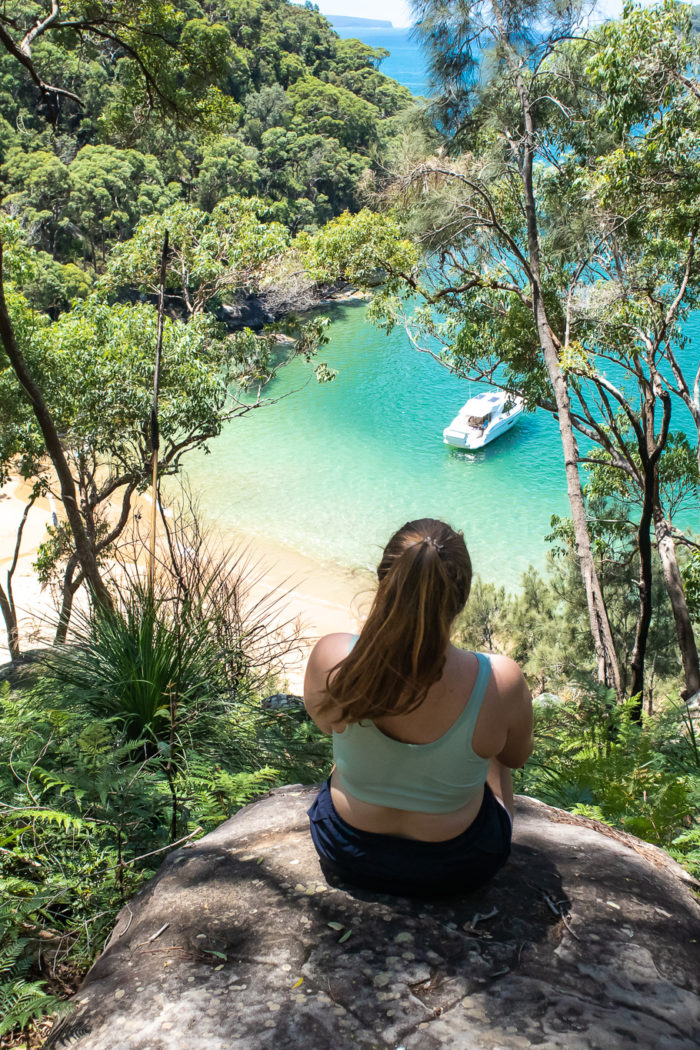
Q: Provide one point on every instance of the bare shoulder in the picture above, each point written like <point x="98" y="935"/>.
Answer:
<point x="329" y="651"/>
<point x="325" y="655"/>
<point x="507" y="678"/>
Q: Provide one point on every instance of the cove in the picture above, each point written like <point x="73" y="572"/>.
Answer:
<point x="333" y="469"/>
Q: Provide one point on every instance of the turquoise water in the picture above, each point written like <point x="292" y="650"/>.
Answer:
<point x="333" y="469"/>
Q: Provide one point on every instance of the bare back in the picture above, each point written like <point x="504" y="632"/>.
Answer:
<point x="503" y="732"/>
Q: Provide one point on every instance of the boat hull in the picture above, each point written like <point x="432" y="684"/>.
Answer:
<point x="472" y="438"/>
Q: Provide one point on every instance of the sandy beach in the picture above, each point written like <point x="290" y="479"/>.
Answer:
<point x="319" y="597"/>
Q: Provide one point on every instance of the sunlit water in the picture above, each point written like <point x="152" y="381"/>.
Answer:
<point x="333" y="469"/>
<point x="405" y="62"/>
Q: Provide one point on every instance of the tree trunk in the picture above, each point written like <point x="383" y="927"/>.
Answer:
<point x="68" y="589"/>
<point x="9" y="615"/>
<point x="650" y="450"/>
<point x="608" y="667"/>
<point x="84" y="549"/>
<point x="68" y="594"/>
<point x="645" y="581"/>
<point x="7" y="598"/>
<point x="676" y="594"/>
<point x="606" y="656"/>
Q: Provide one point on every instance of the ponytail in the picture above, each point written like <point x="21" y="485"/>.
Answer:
<point x="424" y="580"/>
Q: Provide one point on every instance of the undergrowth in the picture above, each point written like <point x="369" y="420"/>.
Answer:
<point x="593" y="758"/>
<point x="87" y="813"/>
<point x="144" y="731"/>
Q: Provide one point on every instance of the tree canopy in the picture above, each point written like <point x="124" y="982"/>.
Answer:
<point x="181" y="101"/>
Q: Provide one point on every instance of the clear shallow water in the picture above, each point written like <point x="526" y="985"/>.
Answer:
<point x="333" y="469"/>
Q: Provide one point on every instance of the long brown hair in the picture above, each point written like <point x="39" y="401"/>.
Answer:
<point x="424" y="580"/>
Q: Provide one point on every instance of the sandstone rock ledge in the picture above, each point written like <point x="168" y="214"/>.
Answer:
<point x="585" y="941"/>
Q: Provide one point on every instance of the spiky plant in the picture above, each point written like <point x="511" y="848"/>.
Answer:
<point x="141" y="663"/>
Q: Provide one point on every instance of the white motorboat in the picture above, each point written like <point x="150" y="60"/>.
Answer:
<point x="483" y="418"/>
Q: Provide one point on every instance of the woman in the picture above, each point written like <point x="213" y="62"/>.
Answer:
<point x="420" y="799"/>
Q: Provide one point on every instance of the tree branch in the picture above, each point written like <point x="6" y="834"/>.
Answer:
<point x="49" y="92"/>
<point x="39" y="27"/>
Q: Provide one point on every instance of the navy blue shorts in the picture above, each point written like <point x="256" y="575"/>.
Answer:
<point x="410" y="867"/>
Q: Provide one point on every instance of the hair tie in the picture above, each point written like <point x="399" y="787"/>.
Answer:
<point x="432" y="543"/>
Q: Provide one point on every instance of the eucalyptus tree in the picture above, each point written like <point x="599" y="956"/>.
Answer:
<point x="540" y="269"/>
<point x="624" y="327"/>
<point x="39" y="187"/>
<point x="17" y="327"/>
<point x="645" y="75"/>
<point x="78" y="391"/>
<point x="77" y="400"/>
<point x="111" y="189"/>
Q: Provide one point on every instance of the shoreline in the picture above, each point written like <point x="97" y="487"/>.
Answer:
<point x="321" y="597"/>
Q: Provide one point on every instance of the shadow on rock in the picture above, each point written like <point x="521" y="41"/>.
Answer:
<point x="239" y="943"/>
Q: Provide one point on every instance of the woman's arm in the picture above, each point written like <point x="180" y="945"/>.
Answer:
<point x="327" y="652"/>
<point x="517" y="706"/>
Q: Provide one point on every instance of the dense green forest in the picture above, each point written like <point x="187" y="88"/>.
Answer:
<point x="257" y="98"/>
<point x="236" y="127"/>
<point x="160" y="162"/>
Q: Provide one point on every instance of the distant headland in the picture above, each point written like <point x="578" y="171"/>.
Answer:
<point x="346" y="21"/>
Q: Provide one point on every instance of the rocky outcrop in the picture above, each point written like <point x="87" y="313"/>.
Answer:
<point x="587" y="940"/>
<point x="291" y="298"/>
<point x="248" y="312"/>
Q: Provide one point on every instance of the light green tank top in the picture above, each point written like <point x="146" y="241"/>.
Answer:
<point x="439" y="777"/>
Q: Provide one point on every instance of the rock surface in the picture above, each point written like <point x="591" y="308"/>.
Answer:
<point x="587" y="940"/>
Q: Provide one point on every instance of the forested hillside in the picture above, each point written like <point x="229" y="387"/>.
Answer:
<point x="231" y="126"/>
<point x="162" y="164"/>
<point x="114" y="111"/>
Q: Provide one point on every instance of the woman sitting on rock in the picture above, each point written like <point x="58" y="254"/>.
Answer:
<point x="420" y="799"/>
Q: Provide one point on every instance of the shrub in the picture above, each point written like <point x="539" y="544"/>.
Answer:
<point x="591" y="757"/>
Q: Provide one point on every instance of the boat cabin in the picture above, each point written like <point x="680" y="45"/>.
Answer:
<point x="482" y="419"/>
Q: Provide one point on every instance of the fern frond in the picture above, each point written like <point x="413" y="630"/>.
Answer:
<point x="25" y="1001"/>
<point x="67" y="821"/>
